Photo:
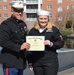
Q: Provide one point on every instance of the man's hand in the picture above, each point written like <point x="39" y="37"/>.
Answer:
<point x="31" y="68"/>
<point x="25" y="46"/>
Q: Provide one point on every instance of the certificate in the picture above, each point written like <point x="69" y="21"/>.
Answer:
<point x="36" y="43"/>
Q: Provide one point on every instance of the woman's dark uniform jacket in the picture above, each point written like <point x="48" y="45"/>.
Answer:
<point x="12" y="35"/>
<point x="49" y="54"/>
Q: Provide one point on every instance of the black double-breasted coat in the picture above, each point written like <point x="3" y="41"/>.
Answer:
<point x="12" y="35"/>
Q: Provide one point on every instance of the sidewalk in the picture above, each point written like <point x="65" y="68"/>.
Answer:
<point x="69" y="71"/>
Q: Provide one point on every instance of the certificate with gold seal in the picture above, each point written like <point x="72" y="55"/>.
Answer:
<point x="36" y="43"/>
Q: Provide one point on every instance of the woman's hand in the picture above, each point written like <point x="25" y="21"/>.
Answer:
<point x="31" y="68"/>
<point x="47" y="42"/>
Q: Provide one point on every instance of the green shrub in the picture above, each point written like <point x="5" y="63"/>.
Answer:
<point x="65" y="32"/>
<point x="68" y="24"/>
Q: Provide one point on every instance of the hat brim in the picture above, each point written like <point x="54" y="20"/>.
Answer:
<point x="18" y="9"/>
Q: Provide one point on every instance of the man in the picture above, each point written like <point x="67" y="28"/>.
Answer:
<point x="12" y="39"/>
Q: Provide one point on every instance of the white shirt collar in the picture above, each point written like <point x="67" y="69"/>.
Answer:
<point x="41" y="30"/>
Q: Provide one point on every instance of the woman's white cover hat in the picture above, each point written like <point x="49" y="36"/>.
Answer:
<point x="17" y="4"/>
<point x="43" y="12"/>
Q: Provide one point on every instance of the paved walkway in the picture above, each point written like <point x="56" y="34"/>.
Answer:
<point x="69" y="71"/>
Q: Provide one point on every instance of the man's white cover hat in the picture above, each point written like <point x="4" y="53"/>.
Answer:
<point x="17" y="4"/>
<point x="43" y="12"/>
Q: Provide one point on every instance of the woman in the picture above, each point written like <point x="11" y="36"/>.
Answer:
<point x="45" y="62"/>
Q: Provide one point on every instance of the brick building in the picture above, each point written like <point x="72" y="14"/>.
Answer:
<point x="55" y="7"/>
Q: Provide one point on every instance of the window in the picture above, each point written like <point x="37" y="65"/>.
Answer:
<point x="72" y="0"/>
<point x="67" y="7"/>
<point x="31" y="16"/>
<point x="0" y="7"/>
<point x="72" y="15"/>
<point x="59" y="8"/>
<point x="72" y="6"/>
<point x="50" y="16"/>
<point x="5" y="15"/>
<point x="49" y="0"/>
<point x="59" y="18"/>
<point x="59" y="1"/>
<point x="0" y="15"/>
<point x="4" y="0"/>
<point x="18" y="0"/>
<point x="5" y="7"/>
<point x="49" y="7"/>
